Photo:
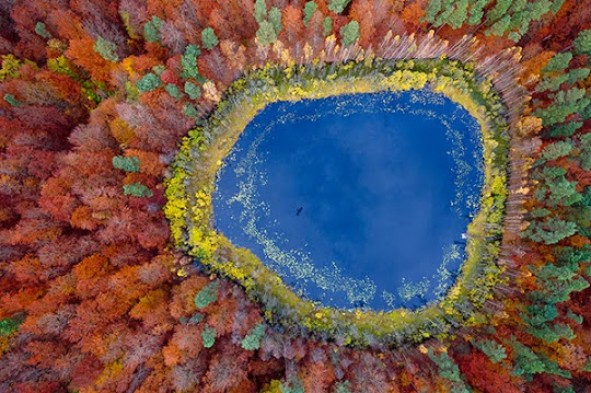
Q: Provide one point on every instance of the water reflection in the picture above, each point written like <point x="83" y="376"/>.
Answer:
<point x="356" y="201"/>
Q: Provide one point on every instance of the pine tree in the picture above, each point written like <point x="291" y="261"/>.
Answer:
<point x="260" y="10"/>
<point x="127" y="164"/>
<point x="458" y="17"/>
<point x="192" y="90"/>
<point x="148" y="83"/>
<point x="309" y="10"/>
<point x="550" y="231"/>
<point x="189" y="62"/>
<point x="266" y="34"/>
<point x="106" y="49"/>
<point x="350" y="33"/>
<point x="557" y="149"/>
<point x="208" y="337"/>
<point x="152" y="29"/>
<point x="41" y="30"/>
<point x="208" y="38"/>
<point x="582" y="43"/>
<point x="275" y="19"/>
<point x="252" y="341"/>
<point x="495" y="351"/>
<point x="137" y="190"/>
<point x="11" y="100"/>
<point x="207" y="295"/>
<point x="327" y="26"/>
<point x="559" y="62"/>
<point x="338" y="6"/>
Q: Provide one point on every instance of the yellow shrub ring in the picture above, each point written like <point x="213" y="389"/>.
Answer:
<point x="189" y="193"/>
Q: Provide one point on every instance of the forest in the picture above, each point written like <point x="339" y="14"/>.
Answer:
<point x="103" y="105"/>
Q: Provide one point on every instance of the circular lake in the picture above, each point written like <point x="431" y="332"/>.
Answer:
<point x="356" y="200"/>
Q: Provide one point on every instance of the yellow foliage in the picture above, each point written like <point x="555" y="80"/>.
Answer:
<point x="120" y="130"/>
<point x="273" y="387"/>
<point x="110" y="372"/>
<point x="10" y="67"/>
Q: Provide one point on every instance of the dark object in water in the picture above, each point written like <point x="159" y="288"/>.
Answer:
<point x="299" y="210"/>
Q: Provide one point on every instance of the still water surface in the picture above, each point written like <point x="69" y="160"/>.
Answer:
<point x="357" y="200"/>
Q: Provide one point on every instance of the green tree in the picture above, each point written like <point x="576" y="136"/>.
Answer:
<point x="195" y="319"/>
<point x="526" y="362"/>
<point x="208" y="38"/>
<point x="447" y="7"/>
<point x="309" y="10"/>
<point x="582" y="44"/>
<point x="499" y="11"/>
<point x="557" y="291"/>
<point x="578" y="319"/>
<point x="192" y="90"/>
<point x="550" y="231"/>
<point x="551" y="272"/>
<point x="260" y="10"/>
<point x="173" y="90"/>
<point x="539" y="213"/>
<point x="41" y="30"/>
<point x="564" y="104"/>
<point x="477" y="12"/>
<point x="563" y="192"/>
<point x="275" y="19"/>
<point x="433" y="9"/>
<point x="190" y="110"/>
<point x="152" y="29"/>
<point x="266" y="34"/>
<point x="499" y="27"/>
<point x="137" y="190"/>
<point x="577" y="74"/>
<point x="551" y="83"/>
<point x="492" y="349"/>
<point x="568" y="256"/>
<point x="189" y="62"/>
<point x="342" y="387"/>
<point x="252" y="341"/>
<point x="338" y="6"/>
<point x="10" y="325"/>
<point x="327" y="26"/>
<point x="207" y="295"/>
<point x="293" y="386"/>
<point x="566" y="129"/>
<point x="208" y="337"/>
<point x="556" y="150"/>
<point x="558" y="62"/>
<point x="448" y="369"/>
<point x="585" y="151"/>
<point x="560" y="291"/>
<point x="552" y="333"/>
<point x="350" y="33"/>
<point x="11" y="100"/>
<point x="148" y="83"/>
<point x="539" y="314"/>
<point x="127" y="164"/>
<point x="458" y="17"/>
<point x="536" y="10"/>
<point x="106" y="49"/>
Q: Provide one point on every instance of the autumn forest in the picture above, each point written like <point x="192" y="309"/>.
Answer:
<point x="116" y="117"/>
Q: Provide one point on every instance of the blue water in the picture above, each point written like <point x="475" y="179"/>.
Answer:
<point x="357" y="200"/>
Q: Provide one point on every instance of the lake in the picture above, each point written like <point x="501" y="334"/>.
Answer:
<point x="356" y="200"/>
